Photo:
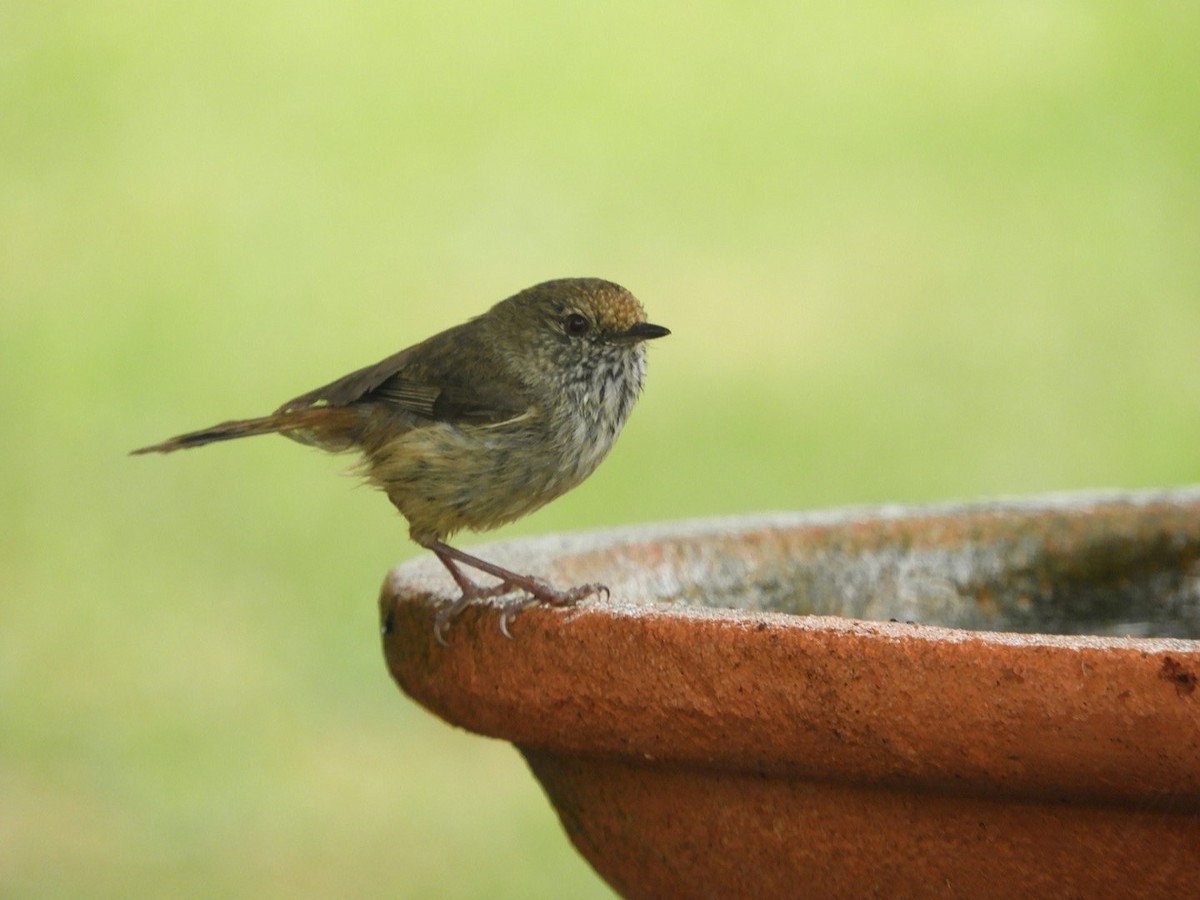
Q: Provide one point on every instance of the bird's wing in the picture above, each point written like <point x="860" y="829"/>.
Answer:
<point x="454" y="376"/>
<point x="350" y="388"/>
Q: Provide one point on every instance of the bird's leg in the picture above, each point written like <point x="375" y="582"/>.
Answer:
<point x="510" y="581"/>
<point x="470" y="591"/>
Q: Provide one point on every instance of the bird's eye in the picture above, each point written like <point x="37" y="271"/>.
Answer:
<point x="576" y="325"/>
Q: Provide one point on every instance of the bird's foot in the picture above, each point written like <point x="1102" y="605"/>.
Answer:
<point x="536" y="590"/>
<point x="539" y="591"/>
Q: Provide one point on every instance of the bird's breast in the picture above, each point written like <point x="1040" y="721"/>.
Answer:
<point x="592" y="409"/>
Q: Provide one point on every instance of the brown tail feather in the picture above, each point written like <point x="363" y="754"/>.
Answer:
<point x="239" y="428"/>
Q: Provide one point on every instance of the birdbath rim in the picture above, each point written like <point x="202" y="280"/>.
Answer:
<point x="635" y="592"/>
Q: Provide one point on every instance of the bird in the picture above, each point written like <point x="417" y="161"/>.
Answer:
<point x="480" y="424"/>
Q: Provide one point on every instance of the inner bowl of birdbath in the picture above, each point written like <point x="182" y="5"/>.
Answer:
<point x="983" y="699"/>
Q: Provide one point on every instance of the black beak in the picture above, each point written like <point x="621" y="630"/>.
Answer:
<point x="643" y="331"/>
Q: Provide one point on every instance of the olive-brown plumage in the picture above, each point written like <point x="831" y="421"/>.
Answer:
<point x="482" y="423"/>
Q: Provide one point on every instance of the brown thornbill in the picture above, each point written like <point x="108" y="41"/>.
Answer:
<point x="482" y="423"/>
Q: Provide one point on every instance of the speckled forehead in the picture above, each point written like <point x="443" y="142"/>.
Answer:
<point x="616" y="308"/>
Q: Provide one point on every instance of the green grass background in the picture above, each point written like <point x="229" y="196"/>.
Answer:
<point x="908" y="252"/>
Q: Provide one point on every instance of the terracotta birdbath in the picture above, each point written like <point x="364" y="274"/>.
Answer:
<point x="979" y="700"/>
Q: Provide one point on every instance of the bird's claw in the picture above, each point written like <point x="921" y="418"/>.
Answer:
<point x="444" y="617"/>
<point x="509" y="611"/>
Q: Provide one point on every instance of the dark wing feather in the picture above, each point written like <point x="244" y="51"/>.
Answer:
<point x="350" y="388"/>
<point x="454" y="376"/>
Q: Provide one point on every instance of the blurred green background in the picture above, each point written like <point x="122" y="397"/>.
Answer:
<point x="908" y="252"/>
